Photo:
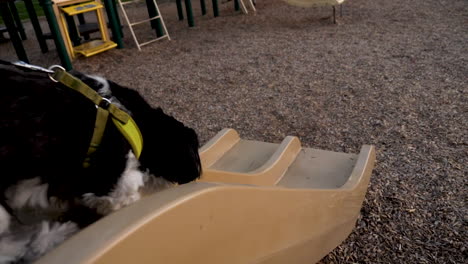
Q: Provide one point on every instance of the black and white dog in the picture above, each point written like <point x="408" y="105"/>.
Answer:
<point x="45" y="193"/>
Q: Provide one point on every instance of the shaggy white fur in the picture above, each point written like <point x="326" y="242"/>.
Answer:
<point x="28" y="243"/>
<point x="4" y="220"/>
<point x="154" y="184"/>
<point x="132" y="185"/>
<point x="29" y="193"/>
<point x="49" y="236"/>
<point x="124" y="193"/>
<point x="34" y="237"/>
<point x="12" y="248"/>
<point x="105" y="91"/>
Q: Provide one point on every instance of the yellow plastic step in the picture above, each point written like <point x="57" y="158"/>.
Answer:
<point x="94" y="47"/>
<point x="81" y="8"/>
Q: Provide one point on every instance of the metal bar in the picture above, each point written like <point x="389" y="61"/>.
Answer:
<point x="153" y="12"/>
<point x="10" y="25"/>
<point x="55" y="31"/>
<point x="129" y="25"/>
<point x="153" y="40"/>
<point x="37" y="27"/>
<point x="242" y="6"/>
<point x="16" y="17"/>
<point x="114" y="25"/>
<point x="143" y="21"/>
<point x="188" y="10"/>
<point x="162" y="21"/>
<point x="203" y="7"/>
<point x="334" y="15"/>
<point x="180" y="12"/>
<point x="215" y="8"/>
<point x="236" y="5"/>
<point x="129" y="2"/>
<point x="117" y="18"/>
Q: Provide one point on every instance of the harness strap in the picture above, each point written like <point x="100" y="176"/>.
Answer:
<point x="132" y="133"/>
<point x="99" y="128"/>
<point x="79" y="86"/>
<point x="123" y="121"/>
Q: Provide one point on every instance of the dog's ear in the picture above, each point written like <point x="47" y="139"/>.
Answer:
<point x="170" y="149"/>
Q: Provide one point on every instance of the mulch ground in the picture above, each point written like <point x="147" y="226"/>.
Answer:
<point x="393" y="74"/>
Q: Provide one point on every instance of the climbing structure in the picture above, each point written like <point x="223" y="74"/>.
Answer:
<point x="157" y="18"/>
<point x="67" y="8"/>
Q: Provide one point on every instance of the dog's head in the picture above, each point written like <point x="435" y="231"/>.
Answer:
<point x="170" y="149"/>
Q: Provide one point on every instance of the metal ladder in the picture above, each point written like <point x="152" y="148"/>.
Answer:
<point x="244" y="7"/>
<point x="130" y="25"/>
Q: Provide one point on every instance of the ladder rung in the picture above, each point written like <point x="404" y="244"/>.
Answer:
<point x="130" y="2"/>
<point x="153" y="40"/>
<point x="143" y="21"/>
<point x="126" y="3"/>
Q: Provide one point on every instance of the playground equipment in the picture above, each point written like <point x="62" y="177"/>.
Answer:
<point x="312" y="3"/>
<point x="51" y="12"/>
<point x="155" y="15"/>
<point x="238" y="5"/>
<point x="244" y="7"/>
<point x="75" y="7"/>
<point x="14" y="26"/>
<point x="256" y="202"/>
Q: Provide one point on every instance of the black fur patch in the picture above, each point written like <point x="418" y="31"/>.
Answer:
<point x="46" y="128"/>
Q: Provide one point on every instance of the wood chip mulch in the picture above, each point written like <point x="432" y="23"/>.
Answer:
<point x="393" y="74"/>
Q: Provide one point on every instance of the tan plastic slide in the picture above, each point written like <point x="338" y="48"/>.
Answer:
<point x="256" y="202"/>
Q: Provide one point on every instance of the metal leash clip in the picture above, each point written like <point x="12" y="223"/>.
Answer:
<point x="50" y="70"/>
<point x="28" y="66"/>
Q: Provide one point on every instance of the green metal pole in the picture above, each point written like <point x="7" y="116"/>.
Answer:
<point x="37" y="27"/>
<point x="215" y="8"/>
<point x="55" y="31"/>
<point x="114" y="25"/>
<point x="180" y="12"/>
<point x="10" y="25"/>
<point x="203" y="7"/>
<point x="19" y="25"/>
<point x="188" y="10"/>
<point x="156" y="23"/>
<point x="117" y="18"/>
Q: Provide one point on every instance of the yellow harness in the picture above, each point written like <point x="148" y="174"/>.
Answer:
<point x="123" y="121"/>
